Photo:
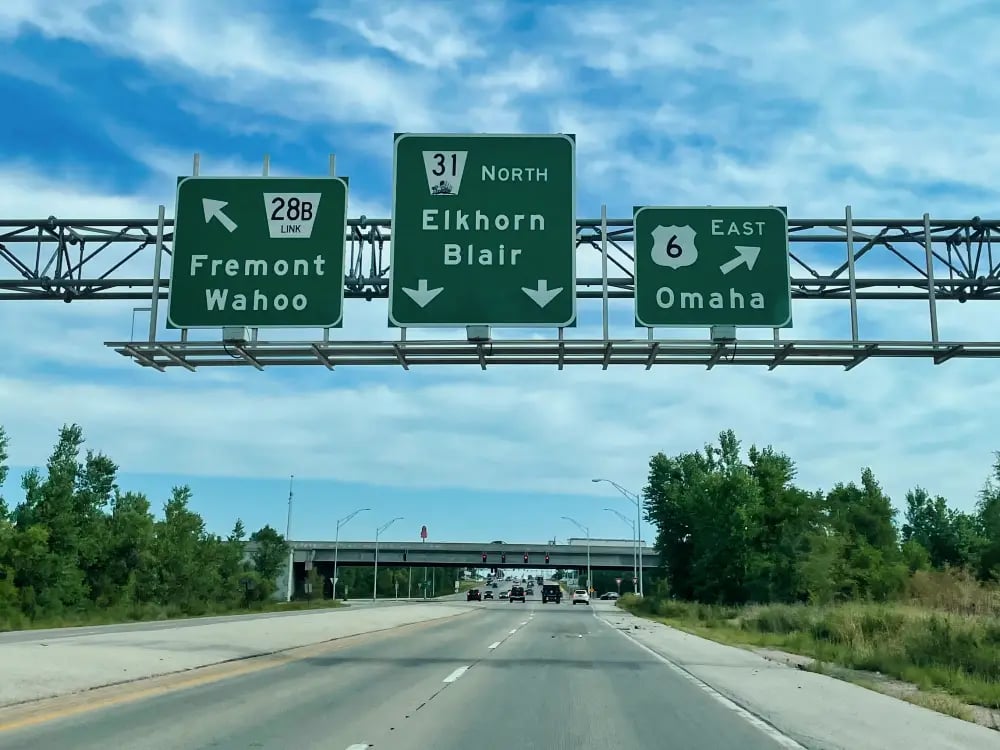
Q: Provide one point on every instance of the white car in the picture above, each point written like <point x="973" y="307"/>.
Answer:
<point x="580" y="596"/>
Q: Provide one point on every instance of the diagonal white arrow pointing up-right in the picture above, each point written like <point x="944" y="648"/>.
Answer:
<point x="748" y="254"/>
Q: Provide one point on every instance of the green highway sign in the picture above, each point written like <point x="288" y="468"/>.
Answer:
<point x="258" y="252"/>
<point x="709" y="266"/>
<point x="483" y="231"/>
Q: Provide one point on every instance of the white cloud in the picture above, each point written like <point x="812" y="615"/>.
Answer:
<point x="428" y="36"/>
<point x="662" y="115"/>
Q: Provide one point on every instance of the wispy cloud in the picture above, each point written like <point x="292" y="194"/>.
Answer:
<point x="688" y="104"/>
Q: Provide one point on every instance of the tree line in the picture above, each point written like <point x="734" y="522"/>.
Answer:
<point x="78" y="548"/>
<point x="734" y="531"/>
<point x="77" y="544"/>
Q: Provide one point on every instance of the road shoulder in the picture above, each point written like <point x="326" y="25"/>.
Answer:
<point x="816" y="710"/>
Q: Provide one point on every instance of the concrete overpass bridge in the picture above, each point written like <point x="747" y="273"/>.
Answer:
<point x="470" y="555"/>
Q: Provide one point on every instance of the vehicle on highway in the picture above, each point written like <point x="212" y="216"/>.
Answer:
<point x="551" y="592"/>
<point x="530" y="591"/>
<point x="580" y="596"/>
<point x="488" y="595"/>
<point x="609" y="595"/>
<point x="517" y="594"/>
<point x="504" y="594"/>
<point x="474" y="595"/>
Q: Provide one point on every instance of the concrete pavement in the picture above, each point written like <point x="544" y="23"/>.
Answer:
<point x="507" y="675"/>
<point x="62" y="664"/>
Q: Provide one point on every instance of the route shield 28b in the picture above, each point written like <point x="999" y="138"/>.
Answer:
<point x="258" y="252"/>
<point x="708" y="266"/>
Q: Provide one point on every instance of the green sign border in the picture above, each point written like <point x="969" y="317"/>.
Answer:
<point x="343" y="249"/>
<point x="397" y="138"/>
<point x="783" y="210"/>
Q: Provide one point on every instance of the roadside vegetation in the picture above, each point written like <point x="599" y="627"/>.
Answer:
<point x="80" y="550"/>
<point x="747" y="557"/>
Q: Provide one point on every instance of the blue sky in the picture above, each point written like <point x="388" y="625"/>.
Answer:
<point x="678" y="104"/>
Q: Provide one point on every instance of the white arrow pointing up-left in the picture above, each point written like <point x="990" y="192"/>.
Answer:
<point x="213" y="210"/>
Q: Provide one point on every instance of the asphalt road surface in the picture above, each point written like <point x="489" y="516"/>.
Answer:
<point x="508" y="676"/>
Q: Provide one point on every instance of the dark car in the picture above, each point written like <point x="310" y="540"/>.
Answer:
<point x="517" y="594"/>
<point x="488" y="595"/>
<point x="551" y="592"/>
<point x="474" y="595"/>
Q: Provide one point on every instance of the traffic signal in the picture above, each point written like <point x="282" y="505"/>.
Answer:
<point x="546" y="557"/>
<point x="484" y="557"/>
<point x="526" y="557"/>
<point x="503" y="557"/>
<point x="404" y="555"/>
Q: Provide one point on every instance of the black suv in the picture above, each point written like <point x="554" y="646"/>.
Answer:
<point x="473" y="596"/>
<point x="551" y="593"/>
<point x="517" y="594"/>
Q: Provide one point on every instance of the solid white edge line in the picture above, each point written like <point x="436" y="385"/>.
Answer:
<point x="456" y="674"/>
<point x="494" y="645"/>
<point x="359" y="746"/>
<point x="771" y="731"/>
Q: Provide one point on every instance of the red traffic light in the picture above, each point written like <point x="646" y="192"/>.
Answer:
<point x="503" y="557"/>
<point x="546" y="557"/>
<point x="526" y="557"/>
<point x="484" y="557"/>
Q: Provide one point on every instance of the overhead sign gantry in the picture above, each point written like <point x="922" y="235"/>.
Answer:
<point x="484" y="235"/>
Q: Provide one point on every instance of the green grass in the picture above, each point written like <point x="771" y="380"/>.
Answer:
<point x="151" y="613"/>
<point x="939" y="651"/>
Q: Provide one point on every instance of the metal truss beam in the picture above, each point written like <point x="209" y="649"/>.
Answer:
<point x="845" y="258"/>
<point x="848" y="259"/>
<point x="557" y="353"/>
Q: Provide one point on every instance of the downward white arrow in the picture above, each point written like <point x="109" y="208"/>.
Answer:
<point x="747" y="254"/>
<point x="213" y="210"/>
<point x="542" y="295"/>
<point x="422" y="295"/>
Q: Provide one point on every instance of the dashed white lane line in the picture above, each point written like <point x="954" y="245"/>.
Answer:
<point x="456" y="674"/>
<point x="359" y="746"/>
<point x="512" y="632"/>
<point x="494" y="645"/>
<point x="524" y="623"/>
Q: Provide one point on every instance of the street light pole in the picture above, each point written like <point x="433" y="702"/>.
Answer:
<point x="288" y="541"/>
<point x="638" y="523"/>
<point x="378" y="532"/>
<point x="635" y="547"/>
<point x="336" y="544"/>
<point x="586" y="531"/>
